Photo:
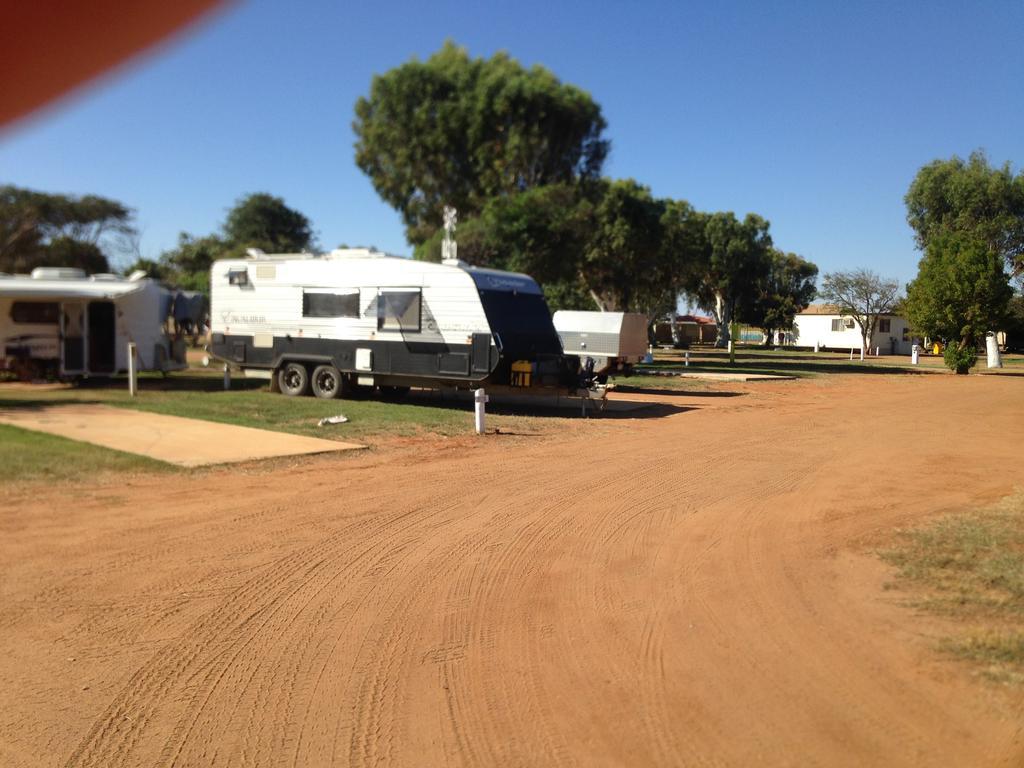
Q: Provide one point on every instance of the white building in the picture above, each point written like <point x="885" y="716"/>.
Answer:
<point x="823" y="326"/>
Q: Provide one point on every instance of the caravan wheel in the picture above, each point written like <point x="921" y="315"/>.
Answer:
<point x="327" y="382"/>
<point x="293" y="379"/>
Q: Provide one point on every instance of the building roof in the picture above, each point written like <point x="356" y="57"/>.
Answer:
<point x="831" y="309"/>
<point x="820" y="309"/>
<point x="699" y="319"/>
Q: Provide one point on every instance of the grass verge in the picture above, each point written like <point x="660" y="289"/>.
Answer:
<point x="250" y="404"/>
<point x="35" y="456"/>
<point x="970" y="567"/>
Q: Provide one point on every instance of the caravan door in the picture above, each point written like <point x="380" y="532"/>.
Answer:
<point x="102" y="334"/>
<point x="72" y="337"/>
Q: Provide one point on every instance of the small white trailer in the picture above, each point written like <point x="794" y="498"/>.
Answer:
<point x="60" y="322"/>
<point x="353" y="318"/>
<point x="614" y="341"/>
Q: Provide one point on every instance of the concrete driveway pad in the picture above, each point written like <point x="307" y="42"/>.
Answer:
<point x="176" y="440"/>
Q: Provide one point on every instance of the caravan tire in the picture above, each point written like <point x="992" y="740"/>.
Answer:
<point x="293" y="379"/>
<point x="327" y="382"/>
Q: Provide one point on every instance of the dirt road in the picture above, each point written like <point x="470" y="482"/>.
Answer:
<point x="692" y="589"/>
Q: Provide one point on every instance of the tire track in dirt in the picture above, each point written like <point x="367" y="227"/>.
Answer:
<point x="110" y="740"/>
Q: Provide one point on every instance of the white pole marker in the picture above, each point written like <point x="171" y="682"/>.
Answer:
<point x="480" y="398"/>
<point x="133" y="373"/>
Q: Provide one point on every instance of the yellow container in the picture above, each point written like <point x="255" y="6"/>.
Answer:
<point x="521" y="371"/>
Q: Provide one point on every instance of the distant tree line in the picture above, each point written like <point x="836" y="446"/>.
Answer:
<point x="43" y="229"/>
<point x="257" y="220"/>
<point x="93" y="233"/>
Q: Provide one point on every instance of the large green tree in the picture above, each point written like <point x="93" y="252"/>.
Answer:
<point x="788" y="286"/>
<point x="598" y="245"/>
<point x="961" y="290"/>
<point x="969" y="196"/>
<point x="453" y="130"/>
<point x="624" y="266"/>
<point x="263" y="221"/>
<point x="733" y="260"/>
<point x="45" y="229"/>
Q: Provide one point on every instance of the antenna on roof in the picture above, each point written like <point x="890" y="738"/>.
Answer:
<point x="255" y="253"/>
<point x="449" y="248"/>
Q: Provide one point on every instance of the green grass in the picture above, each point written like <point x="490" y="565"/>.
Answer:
<point x="970" y="567"/>
<point x="250" y="404"/>
<point x="199" y="393"/>
<point x="34" y="456"/>
<point x="626" y="384"/>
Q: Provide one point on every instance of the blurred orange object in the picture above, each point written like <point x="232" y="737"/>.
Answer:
<point x="48" y="47"/>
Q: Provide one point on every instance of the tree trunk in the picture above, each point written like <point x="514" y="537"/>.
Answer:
<point x="723" y="318"/>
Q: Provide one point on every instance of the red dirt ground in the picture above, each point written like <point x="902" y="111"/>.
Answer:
<point x="695" y="588"/>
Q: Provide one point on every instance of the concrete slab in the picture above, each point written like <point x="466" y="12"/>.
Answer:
<point x="176" y="440"/>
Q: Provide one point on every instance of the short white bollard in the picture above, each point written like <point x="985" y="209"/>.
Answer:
<point x="480" y="398"/>
<point x="878" y="351"/>
<point x="227" y="377"/>
<point x="851" y="353"/>
<point x="915" y="353"/>
<point x="862" y="353"/>
<point x="992" y="350"/>
<point x="815" y="347"/>
<point x="686" y="359"/>
<point x="133" y="372"/>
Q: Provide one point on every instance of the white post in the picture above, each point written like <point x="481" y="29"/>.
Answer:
<point x="815" y="347"/>
<point x="915" y="352"/>
<point x="878" y="352"/>
<point x="227" y="377"/>
<point x="686" y="359"/>
<point x="480" y="398"/>
<point x="862" y="352"/>
<point x="851" y="353"/>
<point x="992" y="350"/>
<point x="133" y="373"/>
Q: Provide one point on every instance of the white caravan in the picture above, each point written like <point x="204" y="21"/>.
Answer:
<point x="606" y="342"/>
<point x="60" y="322"/>
<point x="361" y="318"/>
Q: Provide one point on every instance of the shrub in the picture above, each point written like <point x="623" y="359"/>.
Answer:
<point x="960" y="357"/>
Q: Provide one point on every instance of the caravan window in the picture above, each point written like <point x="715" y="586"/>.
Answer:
<point x="238" y="277"/>
<point x="35" y="312"/>
<point x="398" y="310"/>
<point x="884" y="325"/>
<point x="330" y="303"/>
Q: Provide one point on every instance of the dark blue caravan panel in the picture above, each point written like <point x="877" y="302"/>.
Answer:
<point x="517" y="314"/>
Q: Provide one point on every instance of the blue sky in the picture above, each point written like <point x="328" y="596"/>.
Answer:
<point x="814" y="115"/>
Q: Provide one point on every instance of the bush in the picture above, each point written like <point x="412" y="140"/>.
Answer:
<point x="960" y="357"/>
